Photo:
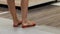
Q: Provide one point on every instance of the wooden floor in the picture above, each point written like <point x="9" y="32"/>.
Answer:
<point x="47" y="15"/>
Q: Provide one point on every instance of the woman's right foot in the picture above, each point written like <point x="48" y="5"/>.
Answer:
<point x="16" y="24"/>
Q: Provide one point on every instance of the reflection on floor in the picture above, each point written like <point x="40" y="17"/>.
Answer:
<point x="56" y="4"/>
<point x="6" y="28"/>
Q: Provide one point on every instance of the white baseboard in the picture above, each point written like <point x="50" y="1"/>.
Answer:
<point x="56" y="4"/>
<point x="31" y="2"/>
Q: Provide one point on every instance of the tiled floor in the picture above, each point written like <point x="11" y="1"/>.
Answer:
<point x="47" y="15"/>
<point x="47" y="19"/>
<point x="6" y="28"/>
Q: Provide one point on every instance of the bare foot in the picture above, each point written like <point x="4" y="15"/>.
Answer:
<point x="17" y="23"/>
<point x="28" y="24"/>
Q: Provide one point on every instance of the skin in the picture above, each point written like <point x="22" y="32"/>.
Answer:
<point x="24" y="11"/>
<point x="11" y="5"/>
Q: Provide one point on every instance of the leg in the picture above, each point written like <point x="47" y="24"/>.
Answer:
<point x="11" y="6"/>
<point x="24" y="10"/>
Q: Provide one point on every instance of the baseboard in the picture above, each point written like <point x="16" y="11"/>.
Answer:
<point x="36" y="6"/>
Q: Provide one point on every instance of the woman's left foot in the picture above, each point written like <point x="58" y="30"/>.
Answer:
<point x="28" y="24"/>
